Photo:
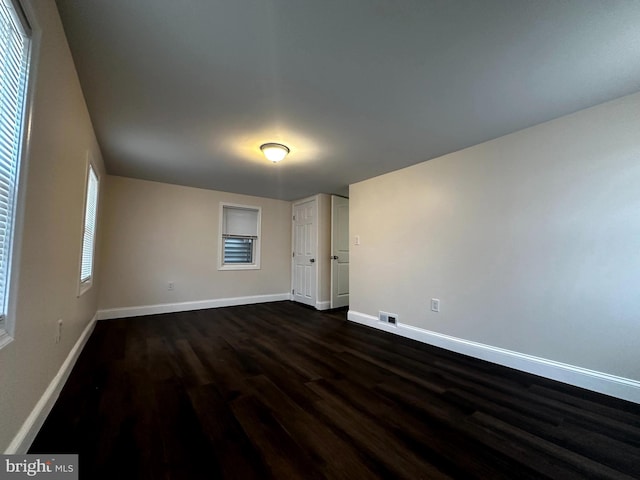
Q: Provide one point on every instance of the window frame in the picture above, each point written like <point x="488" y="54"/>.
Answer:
<point x="84" y="286"/>
<point x="257" y="243"/>
<point x="24" y="15"/>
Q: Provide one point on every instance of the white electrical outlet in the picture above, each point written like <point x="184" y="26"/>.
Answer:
<point x="357" y="240"/>
<point x="171" y="286"/>
<point x="58" y="336"/>
<point x="435" y="304"/>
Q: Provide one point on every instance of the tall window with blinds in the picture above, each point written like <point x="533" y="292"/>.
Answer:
<point x="14" y="68"/>
<point x="89" y="230"/>
<point x="240" y="237"/>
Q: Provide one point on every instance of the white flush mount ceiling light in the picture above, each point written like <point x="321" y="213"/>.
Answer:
<point x="274" y="151"/>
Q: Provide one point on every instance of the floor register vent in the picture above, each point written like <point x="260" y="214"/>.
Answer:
<point x="386" y="317"/>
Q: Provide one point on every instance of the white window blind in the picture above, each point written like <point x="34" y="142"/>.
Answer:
<point x="14" y="61"/>
<point x="89" y="233"/>
<point x="240" y="222"/>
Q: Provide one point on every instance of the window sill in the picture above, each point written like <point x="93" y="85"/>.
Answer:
<point x="239" y="267"/>
<point x="5" y="338"/>
<point x="84" y="287"/>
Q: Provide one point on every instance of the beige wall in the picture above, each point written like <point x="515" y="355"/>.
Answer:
<point x="155" y="233"/>
<point x="49" y="260"/>
<point x="531" y="241"/>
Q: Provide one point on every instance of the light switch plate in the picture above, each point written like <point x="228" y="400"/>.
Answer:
<point x="435" y="304"/>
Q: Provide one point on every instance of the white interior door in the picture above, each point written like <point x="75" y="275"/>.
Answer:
<point x="339" y="251"/>
<point x="304" y="252"/>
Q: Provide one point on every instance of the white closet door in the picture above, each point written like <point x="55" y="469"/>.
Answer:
<point x="305" y="217"/>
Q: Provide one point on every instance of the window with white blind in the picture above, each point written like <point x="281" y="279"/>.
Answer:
<point x="89" y="229"/>
<point x="239" y="238"/>
<point x="14" y="68"/>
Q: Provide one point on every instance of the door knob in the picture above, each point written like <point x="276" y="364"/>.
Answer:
<point x="334" y="257"/>
<point x="312" y="260"/>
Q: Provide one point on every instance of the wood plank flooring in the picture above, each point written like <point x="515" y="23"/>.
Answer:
<point x="281" y="391"/>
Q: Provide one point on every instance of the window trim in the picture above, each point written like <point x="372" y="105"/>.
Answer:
<point x="90" y="165"/>
<point x="257" y="243"/>
<point x="33" y="31"/>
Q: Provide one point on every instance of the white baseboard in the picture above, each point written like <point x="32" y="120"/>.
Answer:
<point x="31" y="426"/>
<point x="620" y="387"/>
<point x="320" y="305"/>
<point x="325" y="305"/>
<point x="125" y="312"/>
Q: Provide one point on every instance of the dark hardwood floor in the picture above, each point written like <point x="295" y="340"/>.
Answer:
<point x="281" y="391"/>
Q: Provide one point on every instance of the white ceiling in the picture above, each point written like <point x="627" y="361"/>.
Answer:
<point x="185" y="91"/>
